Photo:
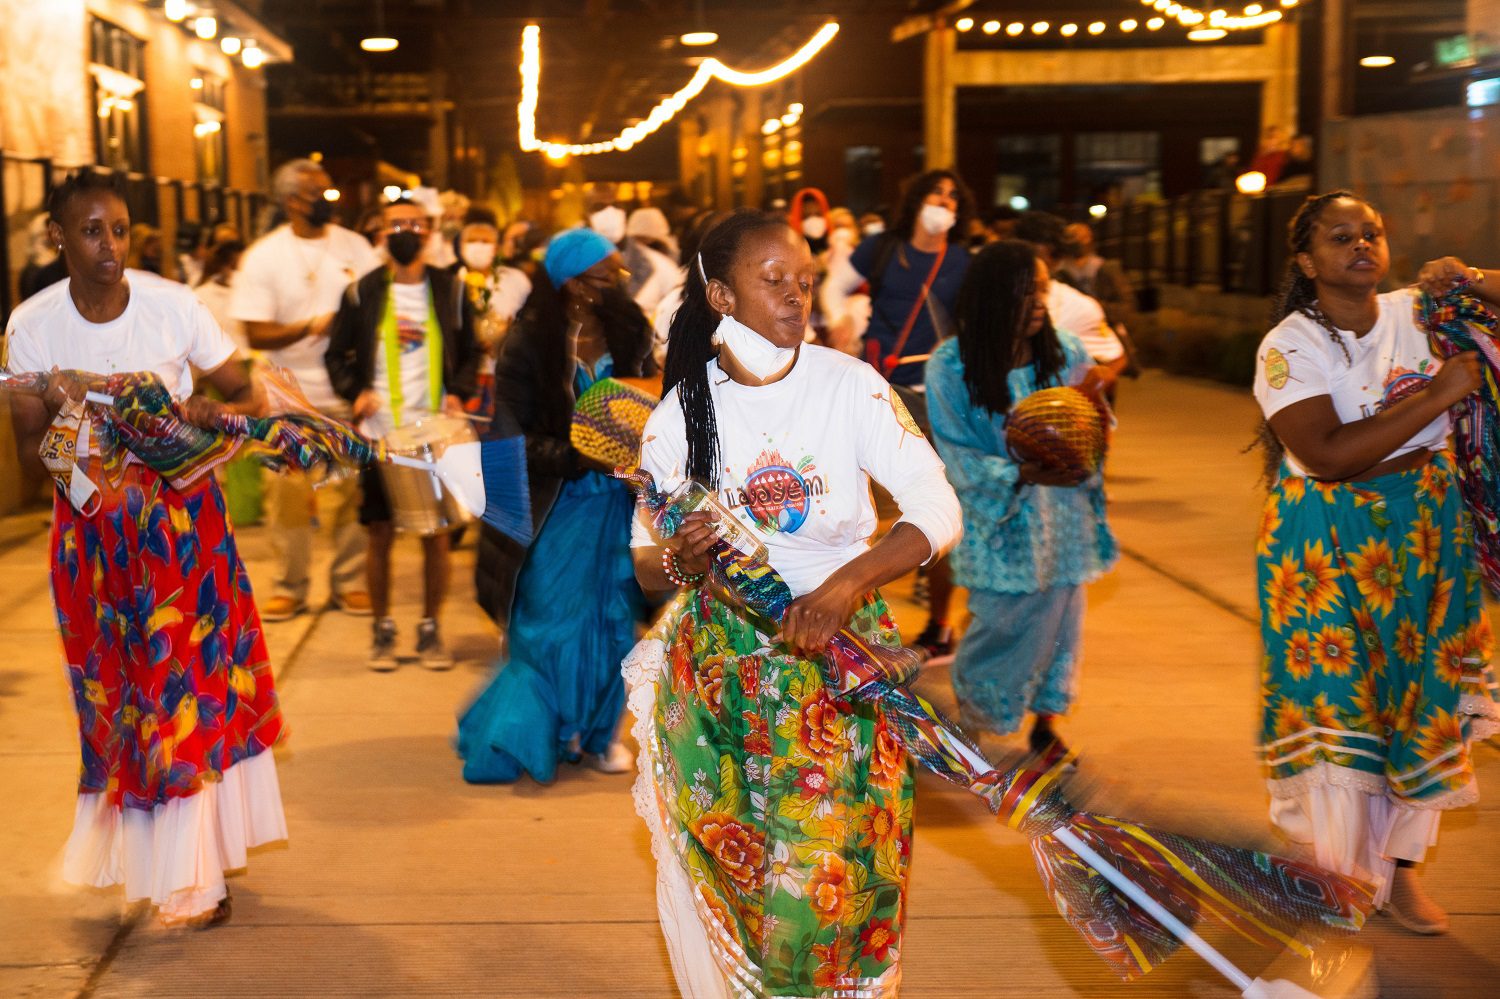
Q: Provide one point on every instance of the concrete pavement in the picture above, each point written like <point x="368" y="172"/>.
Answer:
<point x="401" y="880"/>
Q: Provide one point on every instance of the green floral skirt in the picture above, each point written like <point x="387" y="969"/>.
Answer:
<point x="788" y="809"/>
<point x="1376" y="672"/>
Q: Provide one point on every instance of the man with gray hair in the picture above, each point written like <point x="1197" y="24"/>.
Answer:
<point x="286" y="292"/>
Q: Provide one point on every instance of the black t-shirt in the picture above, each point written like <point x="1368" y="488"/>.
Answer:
<point x="900" y="284"/>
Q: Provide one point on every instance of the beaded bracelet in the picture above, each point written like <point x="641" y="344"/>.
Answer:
<point x="674" y="571"/>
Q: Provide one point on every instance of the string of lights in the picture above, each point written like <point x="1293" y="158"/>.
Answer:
<point x="708" y="69"/>
<point x="1201" y="25"/>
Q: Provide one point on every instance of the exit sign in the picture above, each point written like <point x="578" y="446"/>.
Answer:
<point x="1456" y="50"/>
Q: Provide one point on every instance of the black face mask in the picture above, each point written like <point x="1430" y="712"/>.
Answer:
<point x="321" y="212"/>
<point x="403" y="246"/>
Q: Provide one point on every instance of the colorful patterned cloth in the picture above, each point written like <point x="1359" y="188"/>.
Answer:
<point x="143" y="424"/>
<point x="1376" y="672"/>
<point x="1456" y="322"/>
<point x="1265" y="898"/>
<point x="790" y="806"/>
<point x="170" y="673"/>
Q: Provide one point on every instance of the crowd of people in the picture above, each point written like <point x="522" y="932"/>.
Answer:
<point x="801" y="356"/>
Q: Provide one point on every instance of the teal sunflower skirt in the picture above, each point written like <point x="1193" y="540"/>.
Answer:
<point x="1377" y="651"/>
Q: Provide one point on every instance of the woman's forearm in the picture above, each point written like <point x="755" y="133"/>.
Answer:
<point x="892" y="557"/>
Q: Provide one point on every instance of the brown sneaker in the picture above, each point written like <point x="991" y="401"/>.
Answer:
<point x="1412" y="907"/>
<point x="281" y="608"/>
<point x="355" y="602"/>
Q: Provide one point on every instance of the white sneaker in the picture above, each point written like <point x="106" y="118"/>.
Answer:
<point x="383" y="648"/>
<point x="614" y="760"/>
<point x="430" y="649"/>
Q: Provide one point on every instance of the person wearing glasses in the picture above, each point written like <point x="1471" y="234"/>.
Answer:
<point x="402" y="346"/>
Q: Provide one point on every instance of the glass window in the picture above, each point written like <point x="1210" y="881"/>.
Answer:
<point x="862" y="178"/>
<point x="1117" y="166"/>
<point x="209" y="142"/>
<point x="118" y="72"/>
<point x="1029" y="168"/>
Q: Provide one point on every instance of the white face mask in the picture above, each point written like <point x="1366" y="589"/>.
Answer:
<point x="815" y="227"/>
<point x="477" y="256"/>
<point x="936" y="219"/>
<point x="609" y="222"/>
<point x="874" y="228"/>
<point x="756" y="354"/>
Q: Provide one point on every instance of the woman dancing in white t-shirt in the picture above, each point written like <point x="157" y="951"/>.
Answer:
<point x="1376" y="673"/>
<point x="177" y="713"/>
<point x="781" y="812"/>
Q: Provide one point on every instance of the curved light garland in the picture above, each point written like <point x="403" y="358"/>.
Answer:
<point x="708" y="69"/>
<point x="1255" y="15"/>
<point x="1202" y="25"/>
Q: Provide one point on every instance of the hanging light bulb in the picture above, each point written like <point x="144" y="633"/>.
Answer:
<point x="175" y="10"/>
<point x="252" y="56"/>
<point x="700" y="35"/>
<point x="379" y="41"/>
<point x="206" y="27"/>
<point x="230" y="45"/>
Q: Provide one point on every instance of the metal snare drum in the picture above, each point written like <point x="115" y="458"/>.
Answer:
<point x="420" y="503"/>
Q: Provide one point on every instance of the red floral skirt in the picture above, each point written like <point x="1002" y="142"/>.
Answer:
<point x="163" y="644"/>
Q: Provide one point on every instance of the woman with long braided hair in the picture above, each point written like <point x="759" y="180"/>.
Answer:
<point x="1376" y="675"/>
<point x="780" y="812"/>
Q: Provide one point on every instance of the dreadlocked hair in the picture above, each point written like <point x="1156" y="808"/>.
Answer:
<point x="991" y="315"/>
<point x="1299" y="294"/>
<point x="689" y="338"/>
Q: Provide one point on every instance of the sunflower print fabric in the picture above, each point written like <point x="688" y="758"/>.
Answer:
<point x="1376" y="671"/>
<point x="790" y="808"/>
<point x="169" y="671"/>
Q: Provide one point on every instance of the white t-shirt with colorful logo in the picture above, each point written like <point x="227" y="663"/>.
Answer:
<point x="797" y="459"/>
<point x="413" y="308"/>
<point x="1299" y="359"/>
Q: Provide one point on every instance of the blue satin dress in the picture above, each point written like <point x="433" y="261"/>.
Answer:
<point x="574" y="619"/>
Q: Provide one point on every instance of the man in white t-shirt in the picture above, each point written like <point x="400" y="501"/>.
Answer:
<point x="402" y="348"/>
<point x="286" y="292"/>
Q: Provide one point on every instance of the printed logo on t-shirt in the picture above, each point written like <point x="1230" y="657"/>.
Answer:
<point x="1402" y="383"/>
<point x="907" y="422"/>
<point x="777" y="494"/>
<point x="410" y="335"/>
<point x="1278" y="369"/>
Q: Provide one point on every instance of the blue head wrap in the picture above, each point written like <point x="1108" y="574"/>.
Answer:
<point x="572" y="252"/>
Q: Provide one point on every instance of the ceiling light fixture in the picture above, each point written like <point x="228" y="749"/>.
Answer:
<point x="252" y="56"/>
<point x="379" y="41"/>
<point x="206" y="27"/>
<point x="1377" y="61"/>
<point x="175" y="10"/>
<point x="1206" y="34"/>
<point x="700" y="35"/>
<point x="708" y="69"/>
<point x="230" y="45"/>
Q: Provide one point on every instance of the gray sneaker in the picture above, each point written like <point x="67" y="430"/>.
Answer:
<point x="430" y="649"/>
<point x="383" y="649"/>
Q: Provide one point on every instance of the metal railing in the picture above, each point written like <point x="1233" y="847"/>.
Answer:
<point x="1213" y="239"/>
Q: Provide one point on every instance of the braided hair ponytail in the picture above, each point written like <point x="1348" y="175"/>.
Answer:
<point x="1299" y="294"/>
<point x="689" y="339"/>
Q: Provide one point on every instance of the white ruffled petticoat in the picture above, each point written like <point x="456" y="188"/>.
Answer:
<point x="176" y="854"/>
